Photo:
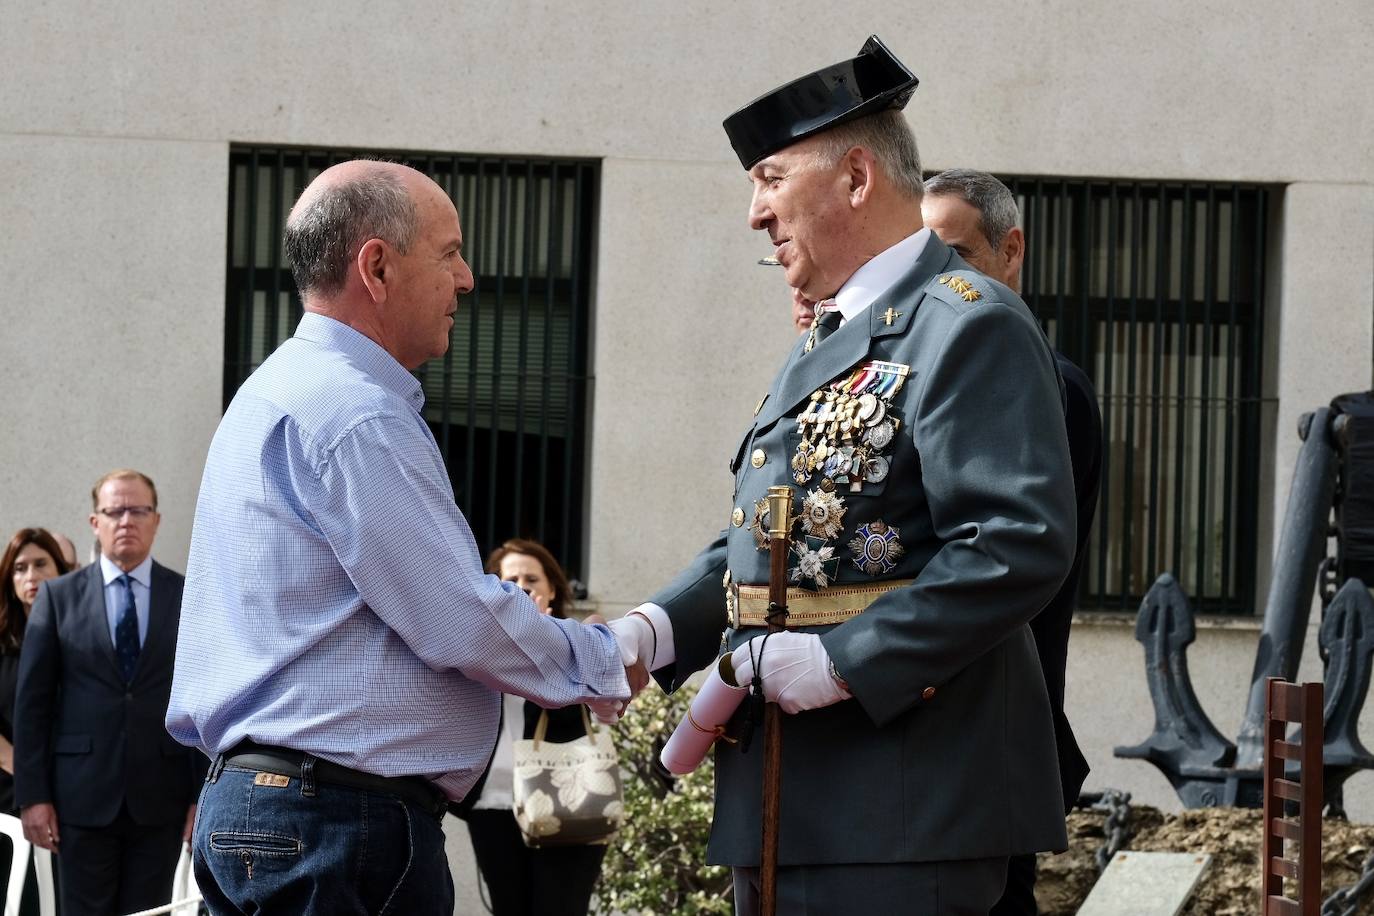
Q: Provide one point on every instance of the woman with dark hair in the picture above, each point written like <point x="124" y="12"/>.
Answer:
<point x="553" y="881"/>
<point x="31" y="558"/>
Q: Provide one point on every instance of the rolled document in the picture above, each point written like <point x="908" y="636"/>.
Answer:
<point x="713" y="706"/>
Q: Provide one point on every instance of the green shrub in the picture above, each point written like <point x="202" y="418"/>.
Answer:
<point x="657" y="864"/>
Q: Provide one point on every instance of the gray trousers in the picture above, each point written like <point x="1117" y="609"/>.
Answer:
<point x="965" y="887"/>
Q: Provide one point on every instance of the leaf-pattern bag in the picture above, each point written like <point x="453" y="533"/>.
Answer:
<point x="567" y="793"/>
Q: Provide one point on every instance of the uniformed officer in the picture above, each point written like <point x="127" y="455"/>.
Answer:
<point x="921" y="425"/>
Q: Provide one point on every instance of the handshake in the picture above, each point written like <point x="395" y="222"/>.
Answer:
<point x="794" y="667"/>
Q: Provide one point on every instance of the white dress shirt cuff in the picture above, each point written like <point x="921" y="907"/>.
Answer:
<point x="663" y="633"/>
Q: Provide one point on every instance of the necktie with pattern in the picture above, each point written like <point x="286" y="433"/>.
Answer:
<point x="827" y="319"/>
<point x="126" y="631"/>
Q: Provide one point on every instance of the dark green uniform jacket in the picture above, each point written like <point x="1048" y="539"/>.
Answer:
<point x="947" y="749"/>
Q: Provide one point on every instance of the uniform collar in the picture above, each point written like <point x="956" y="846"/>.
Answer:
<point x="365" y="352"/>
<point x="142" y="573"/>
<point x="876" y="277"/>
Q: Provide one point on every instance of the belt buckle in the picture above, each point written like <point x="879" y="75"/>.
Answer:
<point x="732" y="605"/>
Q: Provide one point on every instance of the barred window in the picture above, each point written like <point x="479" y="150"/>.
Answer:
<point x="1156" y="289"/>
<point x="507" y="403"/>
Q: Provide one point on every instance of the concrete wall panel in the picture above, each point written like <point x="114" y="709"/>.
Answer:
<point x="114" y="324"/>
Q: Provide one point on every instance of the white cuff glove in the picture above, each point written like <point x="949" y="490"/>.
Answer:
<point x="635" y="636"/>
<point x="795" y="668"/>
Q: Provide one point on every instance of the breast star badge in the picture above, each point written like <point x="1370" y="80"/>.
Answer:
<point x="876" y="548"/>
<point x="817" y="566"/>
<point x="822" y="514"/>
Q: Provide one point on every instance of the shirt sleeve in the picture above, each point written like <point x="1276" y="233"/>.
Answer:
<point x="383" y="501"/>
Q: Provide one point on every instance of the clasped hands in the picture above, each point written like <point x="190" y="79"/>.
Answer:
<point x="795" y="667"/>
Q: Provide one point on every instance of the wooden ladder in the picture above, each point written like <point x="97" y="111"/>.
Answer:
<point x="1300" y="704"/>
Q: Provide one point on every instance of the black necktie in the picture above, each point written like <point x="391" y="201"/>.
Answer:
<point x="126" y="631"/>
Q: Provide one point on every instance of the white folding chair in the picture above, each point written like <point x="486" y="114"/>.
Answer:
<point x="13" y="828"/>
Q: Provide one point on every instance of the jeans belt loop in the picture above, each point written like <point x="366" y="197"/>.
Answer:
<point x="308" y="775"/>
<point x="215" y="769"/>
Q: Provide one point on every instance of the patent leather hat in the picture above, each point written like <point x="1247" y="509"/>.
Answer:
<point x="872" y="82"/>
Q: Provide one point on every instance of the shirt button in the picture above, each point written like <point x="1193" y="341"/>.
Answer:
<point x="737" y="517"/>
<point x="928" y="693"/>
<point x="758" y="458"/>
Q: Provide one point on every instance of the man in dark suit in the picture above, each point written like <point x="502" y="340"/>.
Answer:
<point x="976" y="215"/>
<point x="921" y="428"/>
<point x="97" y="778"/>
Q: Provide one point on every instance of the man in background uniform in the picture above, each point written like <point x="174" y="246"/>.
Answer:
<point x="921" y="425"/>
<point x="976" y="215"/>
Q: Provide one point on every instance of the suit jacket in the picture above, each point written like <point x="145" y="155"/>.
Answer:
<point x="1052" y="625"/>
<point x="84" y="740"/>
<point x="947" y="749"/>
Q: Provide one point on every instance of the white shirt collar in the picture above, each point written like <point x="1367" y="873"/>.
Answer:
<point x="142" y="573"/>
<point x="876" y="277"/>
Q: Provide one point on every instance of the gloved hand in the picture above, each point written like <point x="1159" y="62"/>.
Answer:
<point x="795" y="668"/>
<point x="635" y="635"/>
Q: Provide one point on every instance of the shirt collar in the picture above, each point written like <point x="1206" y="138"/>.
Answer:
<point x="876" y="277"/>
<point x="142" y="573"/>
<point x="366" y="352"/>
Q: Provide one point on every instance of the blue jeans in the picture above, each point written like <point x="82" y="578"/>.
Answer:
<point x="269" y="849"/>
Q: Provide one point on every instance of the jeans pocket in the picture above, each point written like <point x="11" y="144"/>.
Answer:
<point x="267" y="844"/>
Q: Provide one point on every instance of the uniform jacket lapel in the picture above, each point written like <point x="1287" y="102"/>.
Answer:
<point x="805" y="372"/>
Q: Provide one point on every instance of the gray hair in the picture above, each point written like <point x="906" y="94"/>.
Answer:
<point x="322" y="237"/>
<point x="997" y="210"/>
<point x="889" y="138"/>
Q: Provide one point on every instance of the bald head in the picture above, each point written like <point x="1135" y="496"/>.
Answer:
<point x="377" y="246"/>
<point x="346" y="205"/>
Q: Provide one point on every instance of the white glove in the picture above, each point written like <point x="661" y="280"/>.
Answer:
<point x="635" y="636"/>
<point x="795" y="668"/>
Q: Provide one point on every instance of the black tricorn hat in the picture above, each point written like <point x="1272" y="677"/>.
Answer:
<point x="874" y="81"/>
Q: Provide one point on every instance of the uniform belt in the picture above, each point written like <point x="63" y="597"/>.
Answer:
<point x="283" y="761"/>
<point x="749" y="603"/>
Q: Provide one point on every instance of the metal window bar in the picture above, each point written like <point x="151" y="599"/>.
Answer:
<point x="508" y="402"/>
<point x="1156" y="289"/>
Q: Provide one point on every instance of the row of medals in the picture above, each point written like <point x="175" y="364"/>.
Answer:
<point x="847" y="429"/>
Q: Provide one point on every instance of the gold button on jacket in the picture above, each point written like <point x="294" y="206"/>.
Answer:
<point x="758" y="458"/>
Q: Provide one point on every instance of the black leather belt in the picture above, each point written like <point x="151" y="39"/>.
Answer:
<point x="283" y="761"/>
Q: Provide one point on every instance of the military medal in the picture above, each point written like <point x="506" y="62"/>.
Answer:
<point x="816" y="563"/>
<point x="845" y="426"/>
<point x="876" y="548"/>
<point x="880" y="437"/>
<point x="822" y="514"/>
<point x="759" y="526"/>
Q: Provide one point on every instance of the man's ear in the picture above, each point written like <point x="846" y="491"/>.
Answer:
<point x="373" y="263"/>
<point x="861" y="170"/>
<point x="1013" y="250"/>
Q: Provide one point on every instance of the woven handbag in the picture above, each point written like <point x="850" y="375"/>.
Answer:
<point x="567" y="793"/>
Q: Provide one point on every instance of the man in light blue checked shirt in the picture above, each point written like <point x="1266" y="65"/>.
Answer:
<point x="341" y="653"/>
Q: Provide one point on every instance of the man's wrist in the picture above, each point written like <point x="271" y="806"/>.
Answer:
<point x="653" y="637"/>
<point x="838" y="678"/>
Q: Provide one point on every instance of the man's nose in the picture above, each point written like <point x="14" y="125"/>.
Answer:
<point x="463" y="276"/>
<point x="759" y="214"/>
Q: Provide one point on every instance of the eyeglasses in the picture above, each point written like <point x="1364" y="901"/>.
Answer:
<point x="138" y="513"/>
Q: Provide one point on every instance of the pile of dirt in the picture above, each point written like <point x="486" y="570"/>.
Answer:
<point x="1229" y="887"/>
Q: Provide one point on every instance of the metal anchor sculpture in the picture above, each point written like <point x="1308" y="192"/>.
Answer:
<point x="1205" y="768"/>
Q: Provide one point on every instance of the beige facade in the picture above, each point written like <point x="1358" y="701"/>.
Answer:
<point x="116" y="123"/>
